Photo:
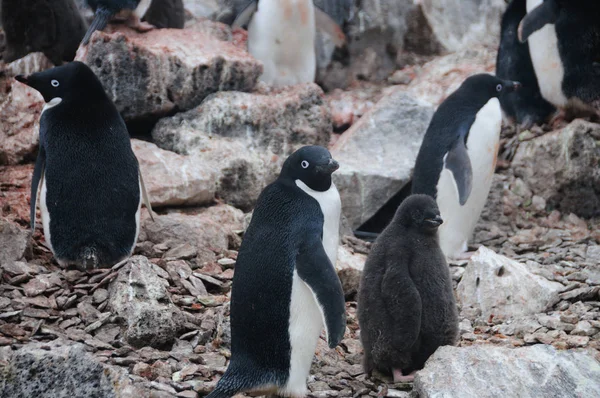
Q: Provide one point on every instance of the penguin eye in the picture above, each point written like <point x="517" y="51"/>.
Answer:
<point x="54" y="83"/>
<point x="304" y="164"/>
<point x="499" y="87"/>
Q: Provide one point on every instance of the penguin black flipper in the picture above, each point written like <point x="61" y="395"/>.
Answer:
<point x="315" y="269"/>
<point x="101" y="18"/>
<point x="36" y="181"/>
<point x="326" y="24"/>
<point x="244" y="17"/>
<point x="458" y="162"/>
<point x="545" y="13"/>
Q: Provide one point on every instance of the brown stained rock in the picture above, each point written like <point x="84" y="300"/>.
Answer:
<point x="19" y="116"/>
<point x="153" y="73"/>
<point x="245" y="137"/>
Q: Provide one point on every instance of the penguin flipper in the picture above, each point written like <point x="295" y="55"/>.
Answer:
<point x="243" y="19"/>
<point x="101" y="18"/>
<point x="327" y="25"/>
<point x="36" y="183"/>
<point x="536" y="19"/>
<point x="458" y="162"/>
<point x="145" y="196"/>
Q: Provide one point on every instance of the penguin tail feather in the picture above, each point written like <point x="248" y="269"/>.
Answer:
<point x="89" y="258"/>
<point x="100" y="21"/>
<point x="232" y="383"/>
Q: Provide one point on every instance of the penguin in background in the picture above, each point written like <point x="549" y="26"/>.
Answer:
<point x="285" y="287"/>
<point x="54" y="27"/>
<point x="526" y="106"/>
<point x="564" y="42"/>
<point x="105" y="10"/>
<point x="90" y="185"/>
<point x="457" y="159"/>
<point x="406" y="305"/>
<point x="281" y="34"/>
<point x="166" y="14"/>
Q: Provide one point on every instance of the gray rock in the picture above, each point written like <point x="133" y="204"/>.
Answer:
<point x="529" y="372"/>
<point x="377" y="154"/>
<point x="61" y="369"/>
<point x="460" y="24"/>
<point x="499" y="286"/>
<point x="140" y="298"/>
<point x="562" y="167"/>
<point x="13" y="242"/>
<point x="152" y="74"/>
<point x="244" y="138"/>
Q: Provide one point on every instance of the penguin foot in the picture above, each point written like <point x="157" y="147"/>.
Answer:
<point x="144" y="27"/>
<point x="399" y="377"/>
<point x="463" y="256"/>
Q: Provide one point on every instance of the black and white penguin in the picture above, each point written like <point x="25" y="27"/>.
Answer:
<point x="281" y="34"/>
<point x="406" y="305"/>
<point x="457" y="159"/>
<point x="166" y="14"/>
<point x="564" y="42"/>
<point x="285" y="286"/>
<point x="54" y="27"/>
<point x="87" y="174"/>
<point x="525" y="106"/>
<point x="105" y="10"/>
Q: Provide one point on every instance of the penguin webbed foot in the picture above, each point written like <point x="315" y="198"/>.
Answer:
<point x="139" y="25"/>
<point x="400" y="377"/>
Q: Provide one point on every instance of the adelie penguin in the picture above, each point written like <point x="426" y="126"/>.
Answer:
<point x="526" y="106"/>
<point x="53" y="27"/>
<point x="564" y="42"/>
<point x="281" y="34"/>
<point x="131" y="10"/>
<point x="457" y="159"/>
<point x="406" y="305"/>
<point x="285" y="286"/>
<point x="90" y="186"/>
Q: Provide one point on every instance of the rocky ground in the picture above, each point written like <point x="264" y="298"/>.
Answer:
<point x="157" y="325"/>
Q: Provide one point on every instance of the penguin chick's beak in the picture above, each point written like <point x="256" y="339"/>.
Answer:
<point x="434" y="222"/>
<point x="330" y="167"/>
<point x="22" y="79"/>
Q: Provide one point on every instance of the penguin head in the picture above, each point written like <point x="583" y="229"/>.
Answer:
<point x="420" y="212"/>
<point x="72" y="82"/>
<point x="313" y="165"/>
<point x="489" y="86"/>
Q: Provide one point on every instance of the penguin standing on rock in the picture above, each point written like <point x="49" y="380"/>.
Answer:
<point x="406" y="305"/>
<point x="457" y="159"/>
<point x="564" y="42"/>
<point x="281" y="34"/>
<point x="90" y="185"/>
<point x="525" y="106"/>
<point x="105" y="10"/>
<point x="285" y="286"/>
<point x="53" y="27"/>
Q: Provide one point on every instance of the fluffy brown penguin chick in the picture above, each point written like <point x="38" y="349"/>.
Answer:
<point x="406" y="305"/>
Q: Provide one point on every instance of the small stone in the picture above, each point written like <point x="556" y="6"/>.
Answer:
<point x="465" y="326"/>
<point x="578" y="341"/>
<point x="213" y="359"/>
<point x="100" y="295"/>
<point x="187" y="394"/>
<point x="538" y="203"/>
<point x="584" y="328"/>
<point x="184" y="251"/>
<point x="178" y="269"/>
<point x="569" y="318"/>
<point x="226" y="262"/>
<point x="142" y="369"/>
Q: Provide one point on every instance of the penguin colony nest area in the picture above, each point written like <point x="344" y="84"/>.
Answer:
<point x="213" y="109"/>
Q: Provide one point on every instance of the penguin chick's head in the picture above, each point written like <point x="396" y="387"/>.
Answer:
<point x="490" y="86"/>
<point x="74" y="81"/>
<point x="420" y="212"/>
<point x="313" y="165"/>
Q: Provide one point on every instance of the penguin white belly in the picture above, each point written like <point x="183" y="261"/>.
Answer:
<point x="45" y="213"/>
<point x="543" y="47"/>
<point x="482" y="148"/>
<point x="281" y="35"/>
<point x="137" y="218"/>
<point x="142" y="7"/>
<point x="306" y="316"/>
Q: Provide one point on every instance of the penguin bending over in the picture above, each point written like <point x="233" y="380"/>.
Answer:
<point x="525" y="106"/>
<point x="285" y="286"/>
<point x="105" y="10"/>
<point x="564" y="42"/>
<point x="457" y="159"/>
<point x="406" y="305"/>
<point x="90" y="185"/>
<point x="281" y="34"/>
<point x="54" y="27"/>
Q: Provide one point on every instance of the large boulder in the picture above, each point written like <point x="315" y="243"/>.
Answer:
<point x="152" y="74"/>
<point x="484" y="371"/>
<point x="496" y="285"/>
<point x="377" y="154"/>
<point x="140" y="298"/>
<point x="62" y="369"/>
<point x="246" y="137"/>
<point x="563" y="167"/>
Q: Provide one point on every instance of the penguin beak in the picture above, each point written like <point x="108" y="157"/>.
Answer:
<point x="435" y="221"/>
<point x="329" y="168"/>
<point x="22" y="79"/>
